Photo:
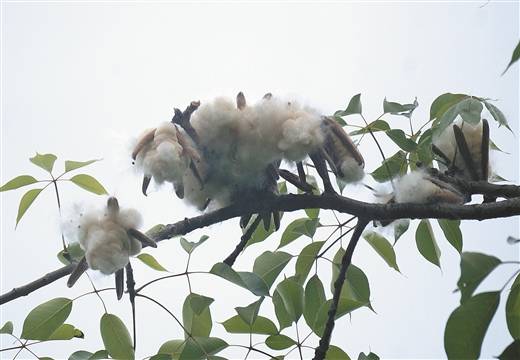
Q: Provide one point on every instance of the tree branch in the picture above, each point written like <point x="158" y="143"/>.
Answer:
<point x="323" y="346"/>
<point x="330" y="201"/>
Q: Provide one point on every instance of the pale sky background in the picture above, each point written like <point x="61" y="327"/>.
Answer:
<point x="81" y="79"/>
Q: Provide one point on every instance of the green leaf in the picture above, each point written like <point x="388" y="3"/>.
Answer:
<point x="269" y="265"/>
<point x="161" y="357"/>
<point x="172" y="347"/>
<point x="383" y="247"/>
<point x="306" y="259"/>
<point x="196" y="324"/>
<point x="282" y="187"/>
<point x="190" y="246"/>
<point x="335" y="353"/>
<point x="474" y="267"/>
<point x="18" y="182"/>
<point x="7" y="328"/>
<point x="314" y="298"/>
<point x="498" y="115"/>
<point x="66" y="332"/>
<point x="514" y="57"/>
<point x="400" y="227"/>
<point x="297" y="228"/>
<point x="312" y="213"/>
<point x="370" y="356"/>
<point x="395" y="108"/>
<point x="249" y="313"/>
<point x="116" y="337"/>
<point x="46" y="318"/>
<point x="292" y="296"/>
<point x="391" y="167"/>
<point x="73" y="165"/>
<point x="25" y="202"/>
<point x="45" y="161"/>
<point x="99" y="355"/>
<point x="260" y="234"/>
<point x="154" y="230"/>
<point x="279" y="342"/>
<point x="426" y="243"/>
<point x="284" y="319"/>
<point x="399" y="137"/>
<point x="356" y="286"/>
<point x="88" y="183"/>
<point x="512" y="352"/>
<point x="80" y="355"/>
<point x="261" y="325"/>
<point x="470" y="110"/>
<point x="200" y="347"/>
<point x="354" y="106"/>
<point x="199" y="303"/>
<point x="468" y="324"/>
<point x="74" y="251"/>
<point x="374" y="126"/>
<point x="443" y="103"/>
<point x="149" y="260"/>
<point x="513" y="310"/>
<point x="249" y="281"/>
<point x="345" y="306"/>
<point x="451" y="230"/>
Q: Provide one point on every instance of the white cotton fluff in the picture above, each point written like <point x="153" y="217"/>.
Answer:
<point x="352" y="171"/>
<point x="418" y="187"/>
<point x="448" y="145"/>
<point x="163" y="158"/>
<point x="103" y="236"/>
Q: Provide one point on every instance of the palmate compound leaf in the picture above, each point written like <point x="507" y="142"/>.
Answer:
<point x="497" y="114"/>
<point x="474" y="268"/>
<point x="383" y="247"/>
<point x="89" y="183"/>
<point x="116" y="337"/>
<point x="190" y="246"/>
<point x="45" y="161"/>
<point x="18" y="182"/>
<point x="46" y="318"/>
<point x="26" y="201"/>
<point x="426" y="243"/>
<point x="353" y="107"/>
<point x="467" y="326"/>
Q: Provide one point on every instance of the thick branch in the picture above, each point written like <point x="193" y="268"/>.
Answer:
<point x="323" y="346"/>
<point x="506" y="208"/>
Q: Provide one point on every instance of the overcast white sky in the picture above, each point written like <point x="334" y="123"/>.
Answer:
<point x="80" y="79"/>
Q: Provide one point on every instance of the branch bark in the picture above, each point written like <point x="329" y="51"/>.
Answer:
<point x="330" y="201"/>
<point x="323" y="346"/>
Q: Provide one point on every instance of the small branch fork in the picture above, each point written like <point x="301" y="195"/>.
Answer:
<point x="331" y="201"/>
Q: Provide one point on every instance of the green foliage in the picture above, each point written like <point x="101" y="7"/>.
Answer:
<point x="513" y="310"/>
<point x="269" y="265"/>
<point x="18" y="182"/>
<point x="390" y="168"/>
<point x="190" y="246"/>
<point x="45" y="161"/>
<point x="356" y="286"/>
<point x="374" y="126"/>
<point x="279" y="342"/>
<point x="199" y="347"/>
<point x="451" y="230"/>
<point x="149" y="260"/>
<point x="7" y="328"/>
<point x="284" y="319"/>
<point x="247" y="280"/>
<point x="46" y="318"/>
<point x="511" y="352"/>
<point x="354" y="107"/>
<point x="383" y="247"/>
<point x="335" y="353"/>
<point x="297" y="228"/>
<point x="261" y="325"/>
<point x="291" y="293"/>
<point x="196" y="319"/>
<point x="400" y="227"/>
<point x="66" y="332"/>
<point x="26" y="201"/>
<point x="74" y="252"/>
<point x="514" y="57"/>
<point x="467" y="326"/>
<point x="395" y="108"/>
<point x="116" y="337"/>
<point x="71" y="165"/>
<point x="249" y="313"/>
<point x="400" y="139"/>
<point x="426" y="243"/>
<point x="306" y="259"/>
<point x="474" y="267"/>
<point x="89" y="183"/>
<point x="314" y="299"/>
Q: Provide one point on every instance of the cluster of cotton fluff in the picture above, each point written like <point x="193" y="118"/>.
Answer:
<point x="160" y="155"/>
<point x="447" y="143"/>
<point x="351" y="170"/>
<point x="102" y="234"/>
<point x="418" y="187"/>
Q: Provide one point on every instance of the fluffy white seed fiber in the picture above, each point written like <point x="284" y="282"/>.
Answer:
<point x="448" y="145"/>
<point x="418" y="187"/>
<point x="352" y="171"/>
<point x="102" y="235"/>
